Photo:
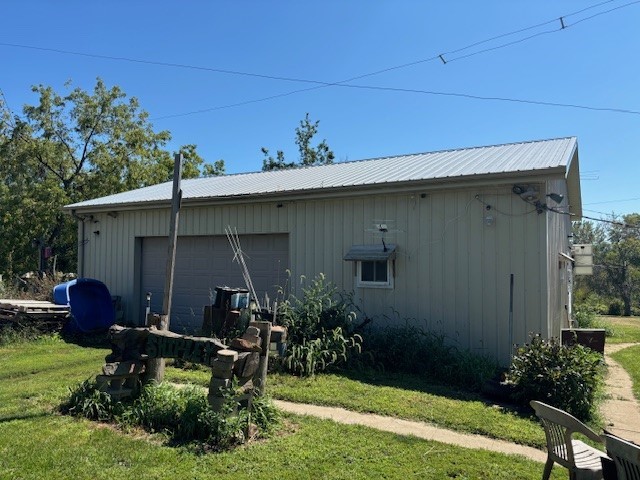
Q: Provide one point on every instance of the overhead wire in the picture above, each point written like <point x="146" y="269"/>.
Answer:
<point x="321" y="84"/>
<point x="601" y="213"/>
<point x="492" y="98"/>
<point x="613" y="222"/>
<point x="345" y="84"/>
<point x="614" y="201"/>
<point x="606" y="11"/>
<point x="543" y="207"/>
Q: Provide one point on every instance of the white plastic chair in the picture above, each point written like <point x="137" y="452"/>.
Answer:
<point x="582" y="461"/>
<point x="625" y="455"/>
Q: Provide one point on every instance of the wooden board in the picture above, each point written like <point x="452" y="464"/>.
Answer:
<point x="10" y="308"/>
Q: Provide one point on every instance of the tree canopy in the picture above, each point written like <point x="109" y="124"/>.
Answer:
<point x="72" y="147"/>
<point x="321" y="154"/>
<point x="616" y="257"/>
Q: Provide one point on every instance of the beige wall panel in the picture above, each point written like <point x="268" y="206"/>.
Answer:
<point x="521" y="214"/>
<point x="475" y="285"/>
<point x="452" y="270"/>
<point x="423" y="257"/>
<point x="450" y="259"/>
<point x="436" y="254"/>
<point x="462" y="242"/>
<point x="504" y="269"/>
<point x="490" y="282"/>
<point x="535" y="284"/>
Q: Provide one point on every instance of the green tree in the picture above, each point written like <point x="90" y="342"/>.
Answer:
<point x="616" y="258"/>
<point x="321" y="154"/>
<point x="194" y="165"/>
<point x="68" y="148"/>
<point x="621" y="260"/>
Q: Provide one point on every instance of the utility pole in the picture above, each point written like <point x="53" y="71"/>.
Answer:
<point x="155" y="366"/>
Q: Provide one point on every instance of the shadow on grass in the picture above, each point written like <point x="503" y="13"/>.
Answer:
<point x="89" y="340"/>
<point x="24" y="416"/>
<point x="416" y="383"/>
<point x="407" y="381"/>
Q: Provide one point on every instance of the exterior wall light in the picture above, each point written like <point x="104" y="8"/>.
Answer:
<point x="556" y="197"/>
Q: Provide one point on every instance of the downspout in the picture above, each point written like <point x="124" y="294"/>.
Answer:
<point x="81" y="245"/>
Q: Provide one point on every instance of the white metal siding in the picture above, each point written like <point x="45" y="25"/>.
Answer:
<point x="452" y="270"/>
<point x="559" y="229"/>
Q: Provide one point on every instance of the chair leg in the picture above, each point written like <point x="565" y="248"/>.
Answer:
<point x="547" y="469"/>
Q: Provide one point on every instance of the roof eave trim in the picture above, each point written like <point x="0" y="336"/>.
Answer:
<point x="341" y="191"/>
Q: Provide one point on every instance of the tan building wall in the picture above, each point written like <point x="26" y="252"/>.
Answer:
<point x="452" y="268"/>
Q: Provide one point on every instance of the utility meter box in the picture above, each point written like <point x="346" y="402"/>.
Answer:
<point x="583" y="257"/>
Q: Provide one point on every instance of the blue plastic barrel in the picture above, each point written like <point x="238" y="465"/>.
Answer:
<point x="90" y="304"/>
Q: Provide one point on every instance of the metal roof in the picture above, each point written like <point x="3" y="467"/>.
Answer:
<point x="448" y="164"/>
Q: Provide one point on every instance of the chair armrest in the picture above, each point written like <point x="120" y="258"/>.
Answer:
<point x="587" y="432"/>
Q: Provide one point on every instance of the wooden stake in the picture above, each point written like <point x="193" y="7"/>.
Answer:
<point x="155" y="367"/>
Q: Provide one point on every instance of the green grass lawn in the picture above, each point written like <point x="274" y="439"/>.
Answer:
<point x="36" y="442"/>
<point x="55" y="447"/>
<point x="403" y="396"/>
<point x="625" y="329"/>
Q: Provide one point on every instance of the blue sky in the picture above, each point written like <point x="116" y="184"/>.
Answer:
<point x="593" y="62"/>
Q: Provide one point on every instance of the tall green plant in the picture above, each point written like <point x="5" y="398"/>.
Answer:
<point x="320" y="329"/>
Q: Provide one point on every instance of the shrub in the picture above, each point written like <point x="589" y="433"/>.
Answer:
<point x="183" y="414"/>
<point x="567" y="377"/>
<point x="320" y="329"/>
<point x="585" y="316"/>
<point x="411" y="349"/>
<point x="15" y="333"/>
<point x="616" y="307"/>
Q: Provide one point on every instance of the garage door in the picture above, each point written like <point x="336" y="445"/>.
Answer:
<point x="202" y="263"/>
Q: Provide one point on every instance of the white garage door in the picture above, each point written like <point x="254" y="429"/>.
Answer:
<point x="202" y="263"/>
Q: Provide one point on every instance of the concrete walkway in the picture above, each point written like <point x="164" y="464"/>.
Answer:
<point x="416" y="429"/>
<point x="620" y="410"/>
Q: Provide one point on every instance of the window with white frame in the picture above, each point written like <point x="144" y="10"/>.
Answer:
<point x="374" y="265"/>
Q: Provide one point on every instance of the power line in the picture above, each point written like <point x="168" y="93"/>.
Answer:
<point x="321" y="84"/>
<point x="612" y="222"/>
<point x="611" y="214"/>
<point x="500" y="99"/>
<point x="613" y="201"/>
<point x="159" y="64"/>
<point x="563" y="26"/>
<point x="606" y="11"/>
<point x="344" y="83"/>
<point x="415" y="91"/>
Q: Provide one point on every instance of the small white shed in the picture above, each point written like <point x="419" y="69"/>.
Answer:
<point x="431" y="238"/>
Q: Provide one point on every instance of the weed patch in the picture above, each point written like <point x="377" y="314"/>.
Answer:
<point x="410" y="349"/>
<point x="181" y="414"/>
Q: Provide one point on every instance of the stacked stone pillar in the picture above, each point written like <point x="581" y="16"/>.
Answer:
<point x="241" y="365"/>
<point x="121" y="379"/>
